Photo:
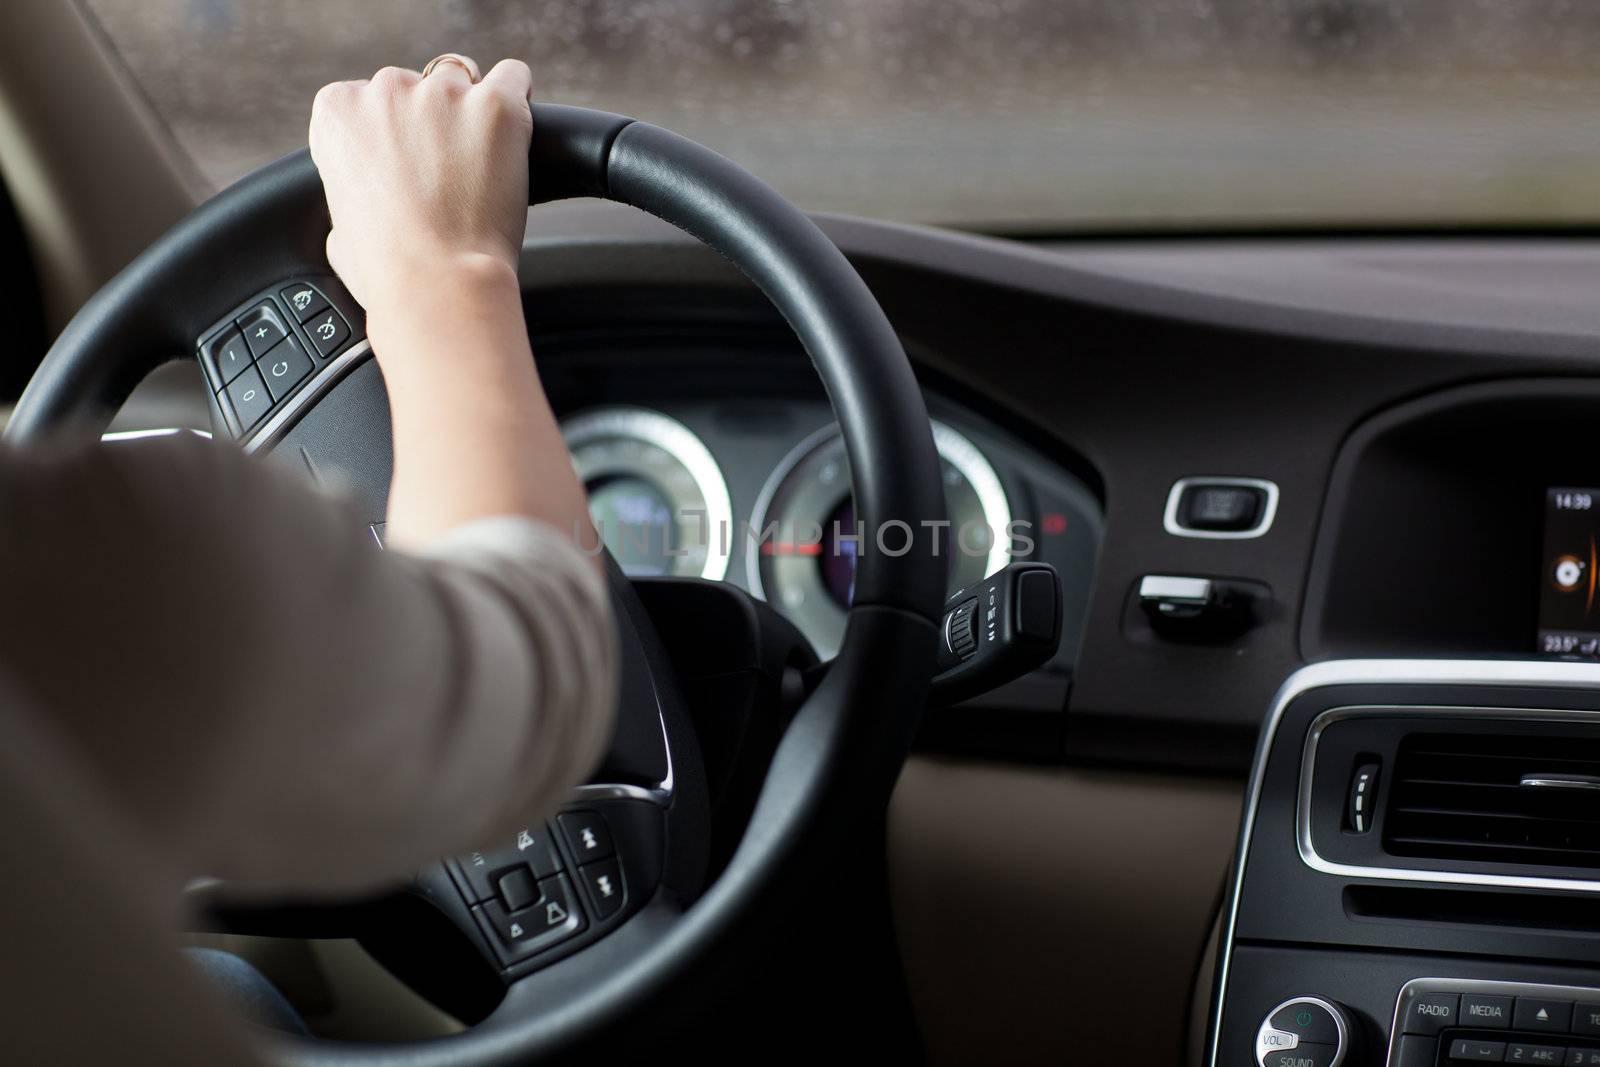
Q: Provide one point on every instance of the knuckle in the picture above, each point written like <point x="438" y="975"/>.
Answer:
<point x="390" y="79"/>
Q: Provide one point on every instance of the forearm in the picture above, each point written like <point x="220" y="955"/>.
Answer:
<point x="343" y="714"/>
<point x="474" y="435"/>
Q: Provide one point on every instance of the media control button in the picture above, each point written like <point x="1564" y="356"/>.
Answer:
<point x="587" y="834"/>
<point x="262" y="327"/>
<point x="1428" y="1013"/>
<point x="1520" y="1053"/>
<point x="1534" y="1014"/>
<point x="250" y="399"/>
<point x="1477" y="1051"/>
<point x="283" y="368"/>
<point x="226" y="357"/>
<point x="1485" y="1011"/>
<point x="1586" y="1019"/>
<point x="1305" y="1055"/>
<point x="602" y="881"/>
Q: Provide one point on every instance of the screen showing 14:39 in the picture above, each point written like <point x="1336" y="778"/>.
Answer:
<point x="1569" y="588"/>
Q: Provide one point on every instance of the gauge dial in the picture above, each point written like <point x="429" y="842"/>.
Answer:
<point x="656" y="493"/>
<point x="804" y="526"/>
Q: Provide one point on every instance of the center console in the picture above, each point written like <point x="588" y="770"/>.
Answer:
<point x="1418" y="881"/>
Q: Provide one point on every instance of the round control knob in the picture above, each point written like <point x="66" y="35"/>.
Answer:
<point x="1305" y="1032"/>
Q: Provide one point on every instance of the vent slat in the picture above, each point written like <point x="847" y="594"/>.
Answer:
<point x="1459" y="796"/>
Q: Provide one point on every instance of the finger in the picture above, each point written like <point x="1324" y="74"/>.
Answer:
<point x="331" y="250"/>
<point x="454" y="69"/>
<point x="511" y="77"/>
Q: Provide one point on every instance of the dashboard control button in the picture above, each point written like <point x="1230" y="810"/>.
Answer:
<point x="328" y="332"/>
<point x="304" y="300"/>
<point x="587" y="834"/>
<point x="251" y="402"/>
<point x="1520" y="1053"/>
<point x="1477" y="1051"/>
<point x="1533" y="1013"/>
<point x="1309" y="1022"/>
<point x="226" y="357"/>
<point x="283" y="368"/>
<point x="1304" y="1032"/>
<point x="1428" y="1013"/>
<point x="1586" y="1019"/>
<point x="1583" y="1057"/>
<point x="1304" y="1055"/>
<point x="1485" y="1011"/>
<point x="602" y="882"/>
<point x="1221" y="507"/>
<point x="518" y="889"/>
<point x="262" y="327"/>
<point x="552" y="918"/>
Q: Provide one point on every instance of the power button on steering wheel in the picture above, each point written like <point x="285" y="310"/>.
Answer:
<point x="1304" y="1032"/>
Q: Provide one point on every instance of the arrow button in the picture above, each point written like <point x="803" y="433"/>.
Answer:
<point x="1532" y="1013"/>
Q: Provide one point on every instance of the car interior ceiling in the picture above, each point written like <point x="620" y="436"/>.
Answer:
<point x="1300" y="780"/>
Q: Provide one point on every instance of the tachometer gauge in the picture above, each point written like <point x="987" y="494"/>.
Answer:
<point x="656" y="493"/>
<point x="804" y="530"/>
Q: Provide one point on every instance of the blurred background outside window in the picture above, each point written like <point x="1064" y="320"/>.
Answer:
<point x="1023" y="116"/>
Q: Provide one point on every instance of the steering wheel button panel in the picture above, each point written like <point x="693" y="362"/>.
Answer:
<point x="263" y="328"/>
<point x="587" y="834"/>
<point x="250" y="399"/>
<point x="225" y="357"/>
<point x="602" y="882"/>
<point x="553" y="917"/>
<point x="477" y="873"/>
<point x="328" y="332"/>
<point x="303" y="300"/>
<point x="283" y="368"/>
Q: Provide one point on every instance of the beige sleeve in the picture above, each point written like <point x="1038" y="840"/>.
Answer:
<point x="273" y="697"/>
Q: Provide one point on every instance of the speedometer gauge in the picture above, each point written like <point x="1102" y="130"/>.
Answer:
<point x="656" y="493"/>
<point x="805" y="560"/>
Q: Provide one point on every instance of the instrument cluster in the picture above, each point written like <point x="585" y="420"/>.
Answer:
<point x="761" y="496"/>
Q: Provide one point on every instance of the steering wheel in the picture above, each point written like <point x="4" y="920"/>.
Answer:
<point x="845" y="743"/>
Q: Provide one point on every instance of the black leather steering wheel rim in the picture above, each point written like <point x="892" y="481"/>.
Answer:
<point x="846" y="741"/>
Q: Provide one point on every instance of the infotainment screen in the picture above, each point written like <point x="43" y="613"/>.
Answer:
<point x="1569" y="602"/>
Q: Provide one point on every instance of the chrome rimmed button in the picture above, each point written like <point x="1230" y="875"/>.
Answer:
<point x="1304" y="1032"/>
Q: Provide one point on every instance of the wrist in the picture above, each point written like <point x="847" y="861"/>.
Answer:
<point x="423" y="292"/>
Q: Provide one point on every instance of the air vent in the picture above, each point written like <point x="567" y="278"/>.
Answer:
<point x="1521" y="798"/>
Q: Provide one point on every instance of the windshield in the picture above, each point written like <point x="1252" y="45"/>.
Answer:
<point x="1048" y="116"/>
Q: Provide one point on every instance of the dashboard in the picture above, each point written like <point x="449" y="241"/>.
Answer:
<point x="1390" y="440"/>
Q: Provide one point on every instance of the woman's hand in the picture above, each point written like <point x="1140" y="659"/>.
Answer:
<point x="422" y="174"/>
<point x="427" y="183"/>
